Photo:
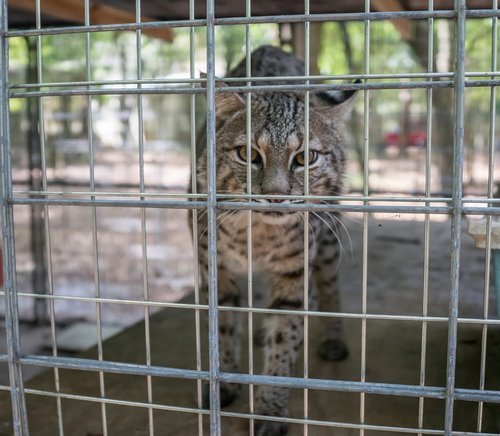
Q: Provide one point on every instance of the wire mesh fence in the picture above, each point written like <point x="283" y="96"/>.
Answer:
<point x="91" y="204"/>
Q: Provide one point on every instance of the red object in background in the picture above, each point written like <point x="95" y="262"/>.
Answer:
<point x="417" y="138"/>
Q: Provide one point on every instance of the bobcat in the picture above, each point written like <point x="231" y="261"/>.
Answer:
<point x="277" y="161"/>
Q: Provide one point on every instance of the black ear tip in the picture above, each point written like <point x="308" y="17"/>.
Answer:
<point x="351" y="92"/>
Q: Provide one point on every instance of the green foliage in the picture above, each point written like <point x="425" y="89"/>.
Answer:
<point x="333" y="58"/>
<point x="388" y="52"/>
<point x="230" y="41"/>
<point x="113" y="56"/>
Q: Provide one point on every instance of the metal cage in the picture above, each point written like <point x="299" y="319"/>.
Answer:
<point x="454" y="206"/>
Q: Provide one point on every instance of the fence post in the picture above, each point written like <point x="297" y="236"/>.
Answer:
<point x="213" y="333"/>
<point x="19" y="415"/>
<point x="457" y="205"/>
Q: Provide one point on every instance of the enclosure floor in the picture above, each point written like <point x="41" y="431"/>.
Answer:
<point x="393" y="352"/>
<point x="392" y="356"/>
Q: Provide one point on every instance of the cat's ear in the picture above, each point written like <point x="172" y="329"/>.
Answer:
<point x="226" y="103"/>
<point x="337" y="105"/>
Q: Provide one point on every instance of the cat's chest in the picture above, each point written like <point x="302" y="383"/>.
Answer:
<point x="270" y="243"/>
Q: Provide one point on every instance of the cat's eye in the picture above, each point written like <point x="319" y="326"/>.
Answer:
<point x="254" y="154"/>
<point x="300" y="158"/>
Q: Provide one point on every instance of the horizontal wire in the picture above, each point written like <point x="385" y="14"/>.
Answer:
<point x="297" y="78"/>
<point x="242" y="205"/>
<point x="375" y="388"/>
<point x="119" y="194"/>
<point x="225" y="414"/>
<point x="257" y="206"/>
<point x="253" y="89"/>
<point x="315" y="207"/>
<point x="243" y="415"/>
<point x="159" y="204"/>
<point x="481" y="211"/>
<point x="361" y="16"/>
<point x="111" y="401"/>
<point x="104" y="300"/>
<point x="295" y="18"/>
<point x="233" y="196"/>
<point x="256" y="310"/>
<point x="291" y="382"/>
<point x="321" y="207"/>
<point x="109" y="91"/>
<point x="115" y="82"/>
<point x="331" y="424"/>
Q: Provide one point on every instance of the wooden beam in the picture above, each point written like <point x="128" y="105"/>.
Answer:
<point x="74" y="11"/>
<point x="403" y="25"/>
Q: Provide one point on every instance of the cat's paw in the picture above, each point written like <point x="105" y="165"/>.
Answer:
<point x="270" y="428"/>
<point x="228" y="393"/>
<point x="333" y="350"/>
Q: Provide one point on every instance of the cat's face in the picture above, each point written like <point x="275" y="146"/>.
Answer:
<point x="277" y="152"/>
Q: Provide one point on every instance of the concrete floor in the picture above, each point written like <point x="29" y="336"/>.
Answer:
<point x="392" y="354"/>
<point x="390" y="359"/>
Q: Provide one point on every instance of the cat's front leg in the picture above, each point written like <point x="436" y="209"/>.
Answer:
<point x="283" y="339"/>
<point x="229" y="336"/>
<point x="333" y="346"/>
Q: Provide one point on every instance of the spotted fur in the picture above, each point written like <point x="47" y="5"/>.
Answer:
<point x="278" y="122"/>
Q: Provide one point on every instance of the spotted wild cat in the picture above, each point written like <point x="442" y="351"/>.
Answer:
<point x="277" y="159"/>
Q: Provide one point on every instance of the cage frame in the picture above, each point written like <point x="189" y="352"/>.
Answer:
<point x="212" y="202"/>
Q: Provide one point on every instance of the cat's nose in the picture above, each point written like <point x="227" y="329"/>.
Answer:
<point x="275" y="193"/>
<point x="275" y="183"/>
<point x="280" y="193"/>
<point x="275" y="200"/>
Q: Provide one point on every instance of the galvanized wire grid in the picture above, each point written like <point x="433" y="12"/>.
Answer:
<point x="212" y="202"/>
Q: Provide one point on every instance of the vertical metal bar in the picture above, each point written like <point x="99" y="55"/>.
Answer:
<point x="48" y="246"/>
<point x="52" y="315"/>
<point x="366" y="190"/>
<point x="145" y="281"/>
<point x="97" y="292"/>
<point x="196" y="268"/>
<point x="307" y="70"/>
<point x="428" y="179"/>
<point x="248" y="66"/>
<point x="39" y="278"/>
<point x="19" y="414"/>
<point x="458" y="157"/>
<point x="213" y="310"/>
<point x="491" y="178"/>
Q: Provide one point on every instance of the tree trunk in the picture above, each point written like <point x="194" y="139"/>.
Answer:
<point x="442" y="98"/>
<point x="356" y="125"/>
<point x="299" y="44"/>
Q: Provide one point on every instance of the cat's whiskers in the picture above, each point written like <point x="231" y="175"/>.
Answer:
<point x="231" y="213"/>
<point x="223" y="216"/>
<point x="202" y="214"/>
<point x="337" y="237"/>
<point x="311" y="229"/>
<point x="338" y="221"/>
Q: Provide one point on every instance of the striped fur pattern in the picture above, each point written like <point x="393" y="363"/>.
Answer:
<point x="278" y="121"/>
